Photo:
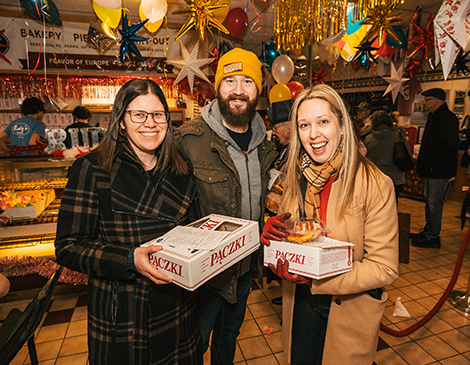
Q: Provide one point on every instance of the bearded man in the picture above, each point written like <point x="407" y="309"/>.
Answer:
<point x="230" y="155"/>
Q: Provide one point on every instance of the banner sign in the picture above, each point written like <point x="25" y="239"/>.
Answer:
<point x="28" y="44"/>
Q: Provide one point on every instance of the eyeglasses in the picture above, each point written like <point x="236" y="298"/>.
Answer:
<point x="279" y="125"/>
<point x="140" y="116"/>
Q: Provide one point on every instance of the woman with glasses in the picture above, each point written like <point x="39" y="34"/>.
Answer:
<point x="132" y="188"/>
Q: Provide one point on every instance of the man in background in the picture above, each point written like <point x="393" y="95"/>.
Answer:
<point x="363" y="112"/>
<point x="27" y="130"/>
<point x="81" y="116"/>
<point x="230" y="155"/>
<point x="437" y="163"/>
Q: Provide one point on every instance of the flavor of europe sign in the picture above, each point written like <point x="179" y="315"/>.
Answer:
<point x="25" y="40"/>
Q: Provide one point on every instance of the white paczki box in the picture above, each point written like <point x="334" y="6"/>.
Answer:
<point x="319" y="259"/>
<point x="189" y="267"/>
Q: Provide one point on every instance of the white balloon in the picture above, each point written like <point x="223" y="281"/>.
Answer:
<point x="282" y="69"/>
<point x="154" y="10"/>
<point x="109" y="4"/>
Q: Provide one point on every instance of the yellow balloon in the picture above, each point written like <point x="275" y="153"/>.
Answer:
<point x="279" y="92"/>
<point x="151" y="27"/>
<point x="221" y="14"/>
<point x="110" y="17"/>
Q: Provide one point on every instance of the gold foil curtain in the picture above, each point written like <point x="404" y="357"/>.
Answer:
<point x="298" y="21"/>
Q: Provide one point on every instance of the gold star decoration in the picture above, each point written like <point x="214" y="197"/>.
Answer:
<point x="381" y="17"/>
<point x="190" y="65"/>
<point x="201" y="16"/>
<point x="396" y="81"/>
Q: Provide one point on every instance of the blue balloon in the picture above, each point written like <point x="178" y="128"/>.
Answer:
<point x="401" y="36"/>
<point x="269" y="53"/>
<point x="43" y="10"/>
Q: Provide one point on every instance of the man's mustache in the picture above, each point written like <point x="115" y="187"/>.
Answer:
<point x="238" y="97"/>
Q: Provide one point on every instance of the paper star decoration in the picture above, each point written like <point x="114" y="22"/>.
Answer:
<point x="381" y="17"/>
<point x="364" y="55"/>
<point x="201" y="16"/>
<point x="414" y="67"/>
<point x="423" y="39"/>
<point x="396" y="81"/>
<point x="320" y="76"/>
<point x="129" y="37"/>
<point x="190" y="65"/>
<point x="5" y="46"/>
<point x="460" y="63"/>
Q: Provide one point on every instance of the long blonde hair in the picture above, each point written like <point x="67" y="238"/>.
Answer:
<point x="351" y="159"/>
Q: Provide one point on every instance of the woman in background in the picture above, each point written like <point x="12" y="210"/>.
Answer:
<point x="335" y="320"/>
<point x="380" y="148"/>
<point x="131" y="189"/>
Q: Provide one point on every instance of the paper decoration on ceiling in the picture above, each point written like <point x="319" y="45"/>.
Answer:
<point x="364" y="56"/>
<point x="451" y="31"/>
<point x="109" y="12"/>
<point x="460" y="63"/>
<point x="154" y="11"/>
<point x="347" y="45"/>
<point x="423" y="39"/>
<point x="190" y="65"/>
<point x="396" y="81"/>
<point x="4" y="47"/>
<point x="414" y="67"/>
<point x="381" y="17"/>
<point x="98" y="38"/>
<point x="320" y="76"/>
<point x="43" y="10"/>
<point x="201" y="16"/>
<point x="129" y="37"/>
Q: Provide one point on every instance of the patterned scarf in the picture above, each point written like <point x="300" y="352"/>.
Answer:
<point x="317" y="176"/>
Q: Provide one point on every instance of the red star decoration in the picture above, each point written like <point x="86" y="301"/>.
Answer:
<point x="414" y="67"/>
<point x="2" y="56"/>
<point x="320" y="76"/>
<point x="423" y="38"/>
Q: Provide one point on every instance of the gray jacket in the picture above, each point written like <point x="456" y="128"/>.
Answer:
<point x="228" y="181"/>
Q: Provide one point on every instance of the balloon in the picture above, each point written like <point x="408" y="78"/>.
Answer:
<point x="269" y="53"/>
<point x="236" y="22"/>
<point x="43" y="9"/>
<point x="109" y="4"/>
<point x="279" y="92"/>
<point x="401" y="36"/>
<point x="386" y="51"/>
<point x="221" y="14"/>
<point x="282" y="69"/>
<point x="110" y="17"/>
<point x="153" y="10"/>
<point x="295" y="88"/>
<point x="151" y="27"/>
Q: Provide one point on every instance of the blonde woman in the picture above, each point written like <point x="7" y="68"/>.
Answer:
<point x="335" y="320"/>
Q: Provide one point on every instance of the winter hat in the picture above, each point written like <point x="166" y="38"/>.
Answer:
<point x="237" y="61"/>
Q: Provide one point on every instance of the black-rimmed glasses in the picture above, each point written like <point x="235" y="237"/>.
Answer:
<point x="140" y="116"/>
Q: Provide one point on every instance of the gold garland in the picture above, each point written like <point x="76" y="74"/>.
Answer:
<point x="315" y="20"/>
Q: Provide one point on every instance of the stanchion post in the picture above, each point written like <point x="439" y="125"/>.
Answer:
<point x="460" y="299"/>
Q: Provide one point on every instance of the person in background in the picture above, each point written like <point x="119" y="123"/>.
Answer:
<point x="4" y="285"/>
<point x="437" y="163"/>
<point x="27" y="130"/>
<point x="335" y="320"/>
<point x="363" y="112"/>
<point x="358" y="128"/>
<point x="231" y="155"/>
<point x="379" y="146"/>
<point x="81" y="117"/>
<point x="132" y="188"/>
<point x="281" y="129"/>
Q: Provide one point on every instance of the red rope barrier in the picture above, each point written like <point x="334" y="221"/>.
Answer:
<point x="440" y="302"/>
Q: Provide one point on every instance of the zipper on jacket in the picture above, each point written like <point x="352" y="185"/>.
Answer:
<point x="249" y="184"/>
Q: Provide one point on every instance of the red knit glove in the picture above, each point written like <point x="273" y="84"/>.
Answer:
<point x="271" y="229"/>
<point x="281" y="270"/>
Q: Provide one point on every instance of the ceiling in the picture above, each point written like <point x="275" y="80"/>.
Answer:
<point x="82" y="10"/>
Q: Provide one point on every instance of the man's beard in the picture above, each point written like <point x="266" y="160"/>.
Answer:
<point x="237" y="118"/>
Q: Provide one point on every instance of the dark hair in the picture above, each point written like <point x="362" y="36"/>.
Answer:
<point x="358" y="125"/>
<point x="381" y="117"/>
<point x="31" y="106"/>
<point x="81" y="112"/>
<point x="113" y="141"/>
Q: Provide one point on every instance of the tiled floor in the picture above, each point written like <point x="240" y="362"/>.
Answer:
<point x="445" y="339"/>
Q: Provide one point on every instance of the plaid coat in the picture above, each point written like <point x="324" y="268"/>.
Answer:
<point x="102" y="217"/>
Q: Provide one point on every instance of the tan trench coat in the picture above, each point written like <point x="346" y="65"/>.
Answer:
<point x="371" y="223"/>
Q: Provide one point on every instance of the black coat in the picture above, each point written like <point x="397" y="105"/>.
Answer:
<point x="439" y="148"/>
<point x="102" y="217"/>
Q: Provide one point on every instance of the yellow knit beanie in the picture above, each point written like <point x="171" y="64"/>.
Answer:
<point x="239" y="62"/>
